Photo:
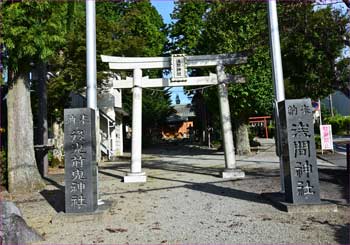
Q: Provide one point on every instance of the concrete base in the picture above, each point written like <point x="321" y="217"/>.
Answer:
<point x="233" y="173"/>
<point x="98" y="215"/>
<point x="135" y="178"/>
<point x="278" y="201"/>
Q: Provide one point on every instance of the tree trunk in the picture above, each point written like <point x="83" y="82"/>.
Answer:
<point x="23" y="174"/>
<point x="242" y="138"/>
<point x="58" y="136"/>
<point x="42" y="127"/>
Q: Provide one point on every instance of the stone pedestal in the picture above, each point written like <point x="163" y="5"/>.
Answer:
<point x="135" y="178"/>
<point x="278" y="201"/>
<point x="235" y="173"/>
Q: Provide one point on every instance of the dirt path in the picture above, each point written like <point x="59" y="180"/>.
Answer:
<point x="185" y="201"/>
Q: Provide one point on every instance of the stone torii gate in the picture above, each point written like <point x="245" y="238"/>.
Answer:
<point x="178" y="64"/>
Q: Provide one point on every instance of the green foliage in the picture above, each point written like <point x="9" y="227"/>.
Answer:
<point x="155" y="108"/>
<point x="343" y="76"/>
<point x="340" y="124"/>
<point x="130" y="28"/>
<point x="233" y="27"/>
<point x="311" y="41"/>
<point x="188" y="24"/>
<point x="318" y="141"/>
<point x="32" y="31"/>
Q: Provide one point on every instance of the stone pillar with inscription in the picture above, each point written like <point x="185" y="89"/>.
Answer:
<point x="80" y="160"/>
<point x="299" y="152"/>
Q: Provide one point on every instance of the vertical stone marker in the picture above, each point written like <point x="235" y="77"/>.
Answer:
<point x="80" y="160"/>
<point x="299" y="152"/>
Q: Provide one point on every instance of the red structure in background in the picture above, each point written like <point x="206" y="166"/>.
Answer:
<point x="263" y="119"/>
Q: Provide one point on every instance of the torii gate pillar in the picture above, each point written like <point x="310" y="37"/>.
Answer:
<point x="230" y="171"/>
<point x="136" y="174"/>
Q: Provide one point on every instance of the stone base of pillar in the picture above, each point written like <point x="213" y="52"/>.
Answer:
<point x="233" y="173"/>
<point x="135" y="178"/>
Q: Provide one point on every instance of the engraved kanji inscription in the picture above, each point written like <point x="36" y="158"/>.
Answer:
<point x="303" y="168"/>
<point x="83" y="119"/>
<point x="77" y="187"/>
<point x="292" y="110"/>
<point x="305" y="109"/>
<point x="300" y="129"/>
<point x="302" y="148"/>
<point x="78" y="174"/>
<point x="78" y="135"/>
<point x="78" y="161"/>
<point x="78" y="201"/>
<point x="305" y="188"/>
<point x="71" y="119"/>
<point x="78" y="148"/>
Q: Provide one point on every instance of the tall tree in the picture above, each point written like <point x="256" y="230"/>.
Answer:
<point x="311" y="42"/>
<point x="123" y="28"/>
<point x="32" y="32"/>
<point x="233" y="27"/>
<point x="143" y="34"/>
<point x="188" y="23"/>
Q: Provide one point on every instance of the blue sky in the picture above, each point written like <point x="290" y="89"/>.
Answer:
<point x="165" y="8"/>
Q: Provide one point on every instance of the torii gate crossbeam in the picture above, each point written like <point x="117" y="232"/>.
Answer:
<point x="178" y="64"/>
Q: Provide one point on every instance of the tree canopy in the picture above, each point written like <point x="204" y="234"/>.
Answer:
<point x="31" y="31"/>
<point x="130" y="28"/>
<point x="311" y="40"/>
<point x="311" y="43"/>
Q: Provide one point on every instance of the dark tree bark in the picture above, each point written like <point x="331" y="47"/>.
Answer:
<point x="42" y="127"/>
<point x="23" y="174"/>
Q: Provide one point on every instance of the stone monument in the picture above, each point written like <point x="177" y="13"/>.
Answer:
<point x="299" y="152"/>
<point x="80" y="160"/>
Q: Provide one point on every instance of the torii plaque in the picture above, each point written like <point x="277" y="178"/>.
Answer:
<point x="178" y="64"/>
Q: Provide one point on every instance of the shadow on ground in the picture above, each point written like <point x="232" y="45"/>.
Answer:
<point x="339" y="178"/>
<point x="342" y="233"/>
<point x="227" y="192"/>
<point x="333" y="182"/>
<point x="179" y="148"/>
<point x="56" y="198"/>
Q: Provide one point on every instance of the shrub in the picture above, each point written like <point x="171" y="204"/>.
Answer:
<point x="318" y="141"/>
<point x="340" y="124"/>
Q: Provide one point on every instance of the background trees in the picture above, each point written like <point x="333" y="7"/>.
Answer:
<point x="132" y="28"/>
<point x="311" y="39"/>
<point x="230" y="27"/>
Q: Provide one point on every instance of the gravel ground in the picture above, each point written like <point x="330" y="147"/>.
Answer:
<point x="185" y="201"/>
